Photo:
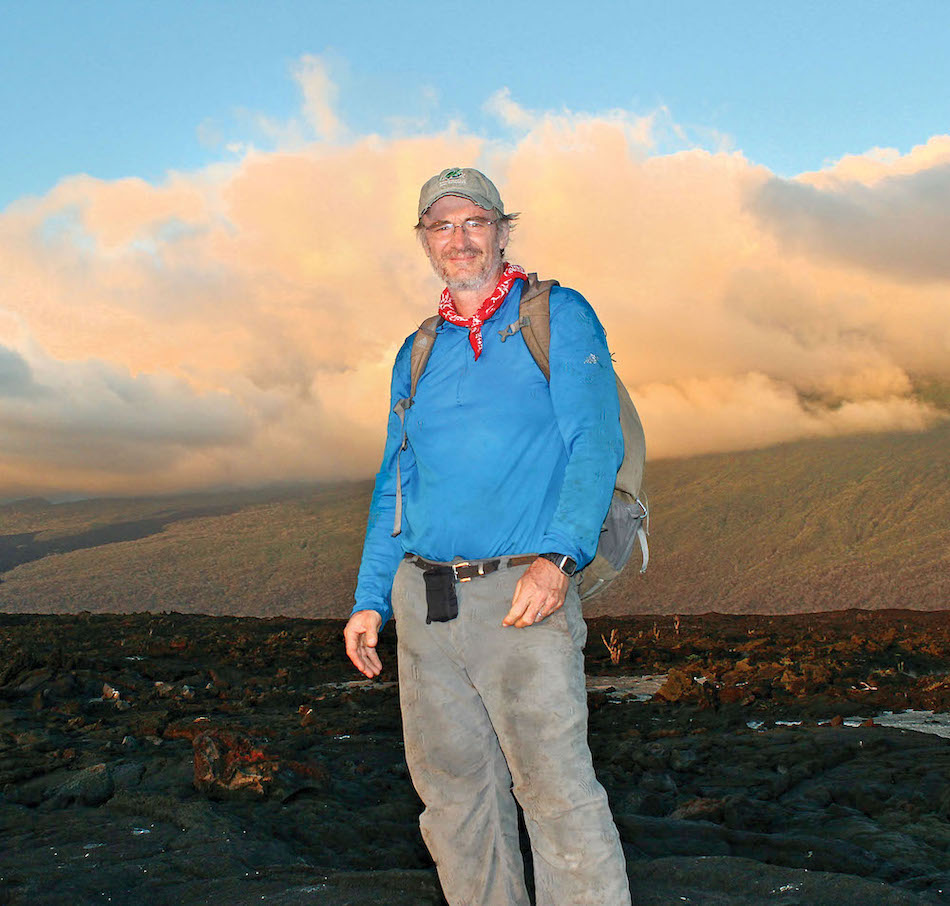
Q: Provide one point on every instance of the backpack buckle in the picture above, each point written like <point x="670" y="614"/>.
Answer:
<point x="513" y="328"/>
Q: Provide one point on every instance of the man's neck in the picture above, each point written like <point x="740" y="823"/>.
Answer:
<point x="468" y="301"/>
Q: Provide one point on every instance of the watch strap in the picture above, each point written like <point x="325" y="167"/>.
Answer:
<point x="566" y="564"/>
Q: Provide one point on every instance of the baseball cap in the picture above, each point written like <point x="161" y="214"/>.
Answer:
<point x="464" y="181"/>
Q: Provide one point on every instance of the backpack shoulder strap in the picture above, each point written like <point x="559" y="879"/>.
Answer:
<point x="535" y="317"/>
<point x="421" y="349"/>
<point x="422" y="344"/>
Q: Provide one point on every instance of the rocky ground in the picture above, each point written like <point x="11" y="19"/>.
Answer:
<point x="185" y="759"/>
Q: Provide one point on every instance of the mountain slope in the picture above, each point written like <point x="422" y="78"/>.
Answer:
<point x="860" y="521"/>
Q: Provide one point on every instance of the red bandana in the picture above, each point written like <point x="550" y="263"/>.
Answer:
<point x="474" y="324"/>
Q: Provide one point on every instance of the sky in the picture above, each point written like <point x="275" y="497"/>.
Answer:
<point x="206" y="255"/>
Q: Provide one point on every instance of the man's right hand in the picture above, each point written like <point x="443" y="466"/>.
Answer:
<point x="361" y="634"/>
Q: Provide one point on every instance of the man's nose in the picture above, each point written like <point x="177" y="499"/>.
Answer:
<point x="459" y="238"/>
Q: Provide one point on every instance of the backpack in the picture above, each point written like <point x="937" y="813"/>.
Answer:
<point x="628" y="516"/>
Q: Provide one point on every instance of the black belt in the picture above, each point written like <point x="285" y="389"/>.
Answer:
<point x="466" y="570"/>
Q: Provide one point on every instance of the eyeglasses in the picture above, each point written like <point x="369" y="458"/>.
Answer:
<point x="474" y="226"/>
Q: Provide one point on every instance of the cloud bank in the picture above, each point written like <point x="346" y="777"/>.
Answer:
<point x="238" y="324"/>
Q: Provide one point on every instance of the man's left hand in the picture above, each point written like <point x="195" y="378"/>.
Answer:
<point x="539" y="592"/>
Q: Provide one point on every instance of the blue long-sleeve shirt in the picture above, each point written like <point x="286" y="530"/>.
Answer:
<point x="499" y="461"/>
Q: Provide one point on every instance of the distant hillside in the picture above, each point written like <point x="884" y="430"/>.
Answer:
<point x="293" y="552"/>
<point x="859" y="521"/>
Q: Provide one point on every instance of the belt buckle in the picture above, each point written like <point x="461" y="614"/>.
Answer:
<point x="458" y="578"/>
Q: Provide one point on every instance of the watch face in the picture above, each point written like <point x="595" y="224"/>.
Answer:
<point x="565" y="564"/>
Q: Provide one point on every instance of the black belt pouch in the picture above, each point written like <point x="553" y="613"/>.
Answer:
<point x="441" y="603"/>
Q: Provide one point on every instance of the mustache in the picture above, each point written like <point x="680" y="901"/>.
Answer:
<point x="462" y="253"/>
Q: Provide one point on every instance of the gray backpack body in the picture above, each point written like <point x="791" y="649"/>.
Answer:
<point x="628" y="516"/>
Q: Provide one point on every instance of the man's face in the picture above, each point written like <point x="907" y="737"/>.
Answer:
<point x="462" y="260"/>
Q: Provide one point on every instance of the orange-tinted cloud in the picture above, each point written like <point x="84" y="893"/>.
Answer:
<point x="896" y="226"/>
<point x="237" y="324"/>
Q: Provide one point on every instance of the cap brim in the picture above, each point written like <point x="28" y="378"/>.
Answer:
<point x="480" y="200"/>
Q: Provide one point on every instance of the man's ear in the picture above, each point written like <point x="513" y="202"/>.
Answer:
<point x="503" y="232"/>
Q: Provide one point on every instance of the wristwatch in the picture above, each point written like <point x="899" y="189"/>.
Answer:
<point x="567" y="565"/>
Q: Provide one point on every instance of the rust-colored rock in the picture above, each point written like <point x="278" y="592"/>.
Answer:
<point x="230" y="763"/>
<point x="730" y="695"/>
<point x="766" y="673"/>
<point x="792" y="682"/>
<point x="679" y="685"/>
<point x="816" y="674"/>
<point x="836" y="721"/>
<point x="186" y="729"/>
<point x="700" y="809"/>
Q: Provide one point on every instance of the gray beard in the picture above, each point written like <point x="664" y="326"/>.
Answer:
<point x="491" y="264"/>
<point x="464" y="285"/>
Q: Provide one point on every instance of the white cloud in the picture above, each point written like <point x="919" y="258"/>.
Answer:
<point x="511" y="113"/>
<point x="319" y="97"/>
<point x="239" y="323"/>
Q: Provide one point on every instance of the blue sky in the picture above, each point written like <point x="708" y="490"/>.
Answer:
<point x="138" y="88"/>
<point x="229" y="314"/>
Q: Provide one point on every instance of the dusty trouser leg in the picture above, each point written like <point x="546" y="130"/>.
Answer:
<point x="470" y="820"/>
<point x="532" y="683"/>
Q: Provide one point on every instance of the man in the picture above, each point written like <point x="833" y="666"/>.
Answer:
<point x="504" y="481"/>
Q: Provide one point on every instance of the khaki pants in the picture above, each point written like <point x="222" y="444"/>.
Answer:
<point x="489" y="710"/>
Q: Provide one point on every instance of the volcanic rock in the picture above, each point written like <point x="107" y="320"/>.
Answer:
<point x="307" y="797"/>
<point x="230" y="763"/>
<point x="678" y="685"/>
